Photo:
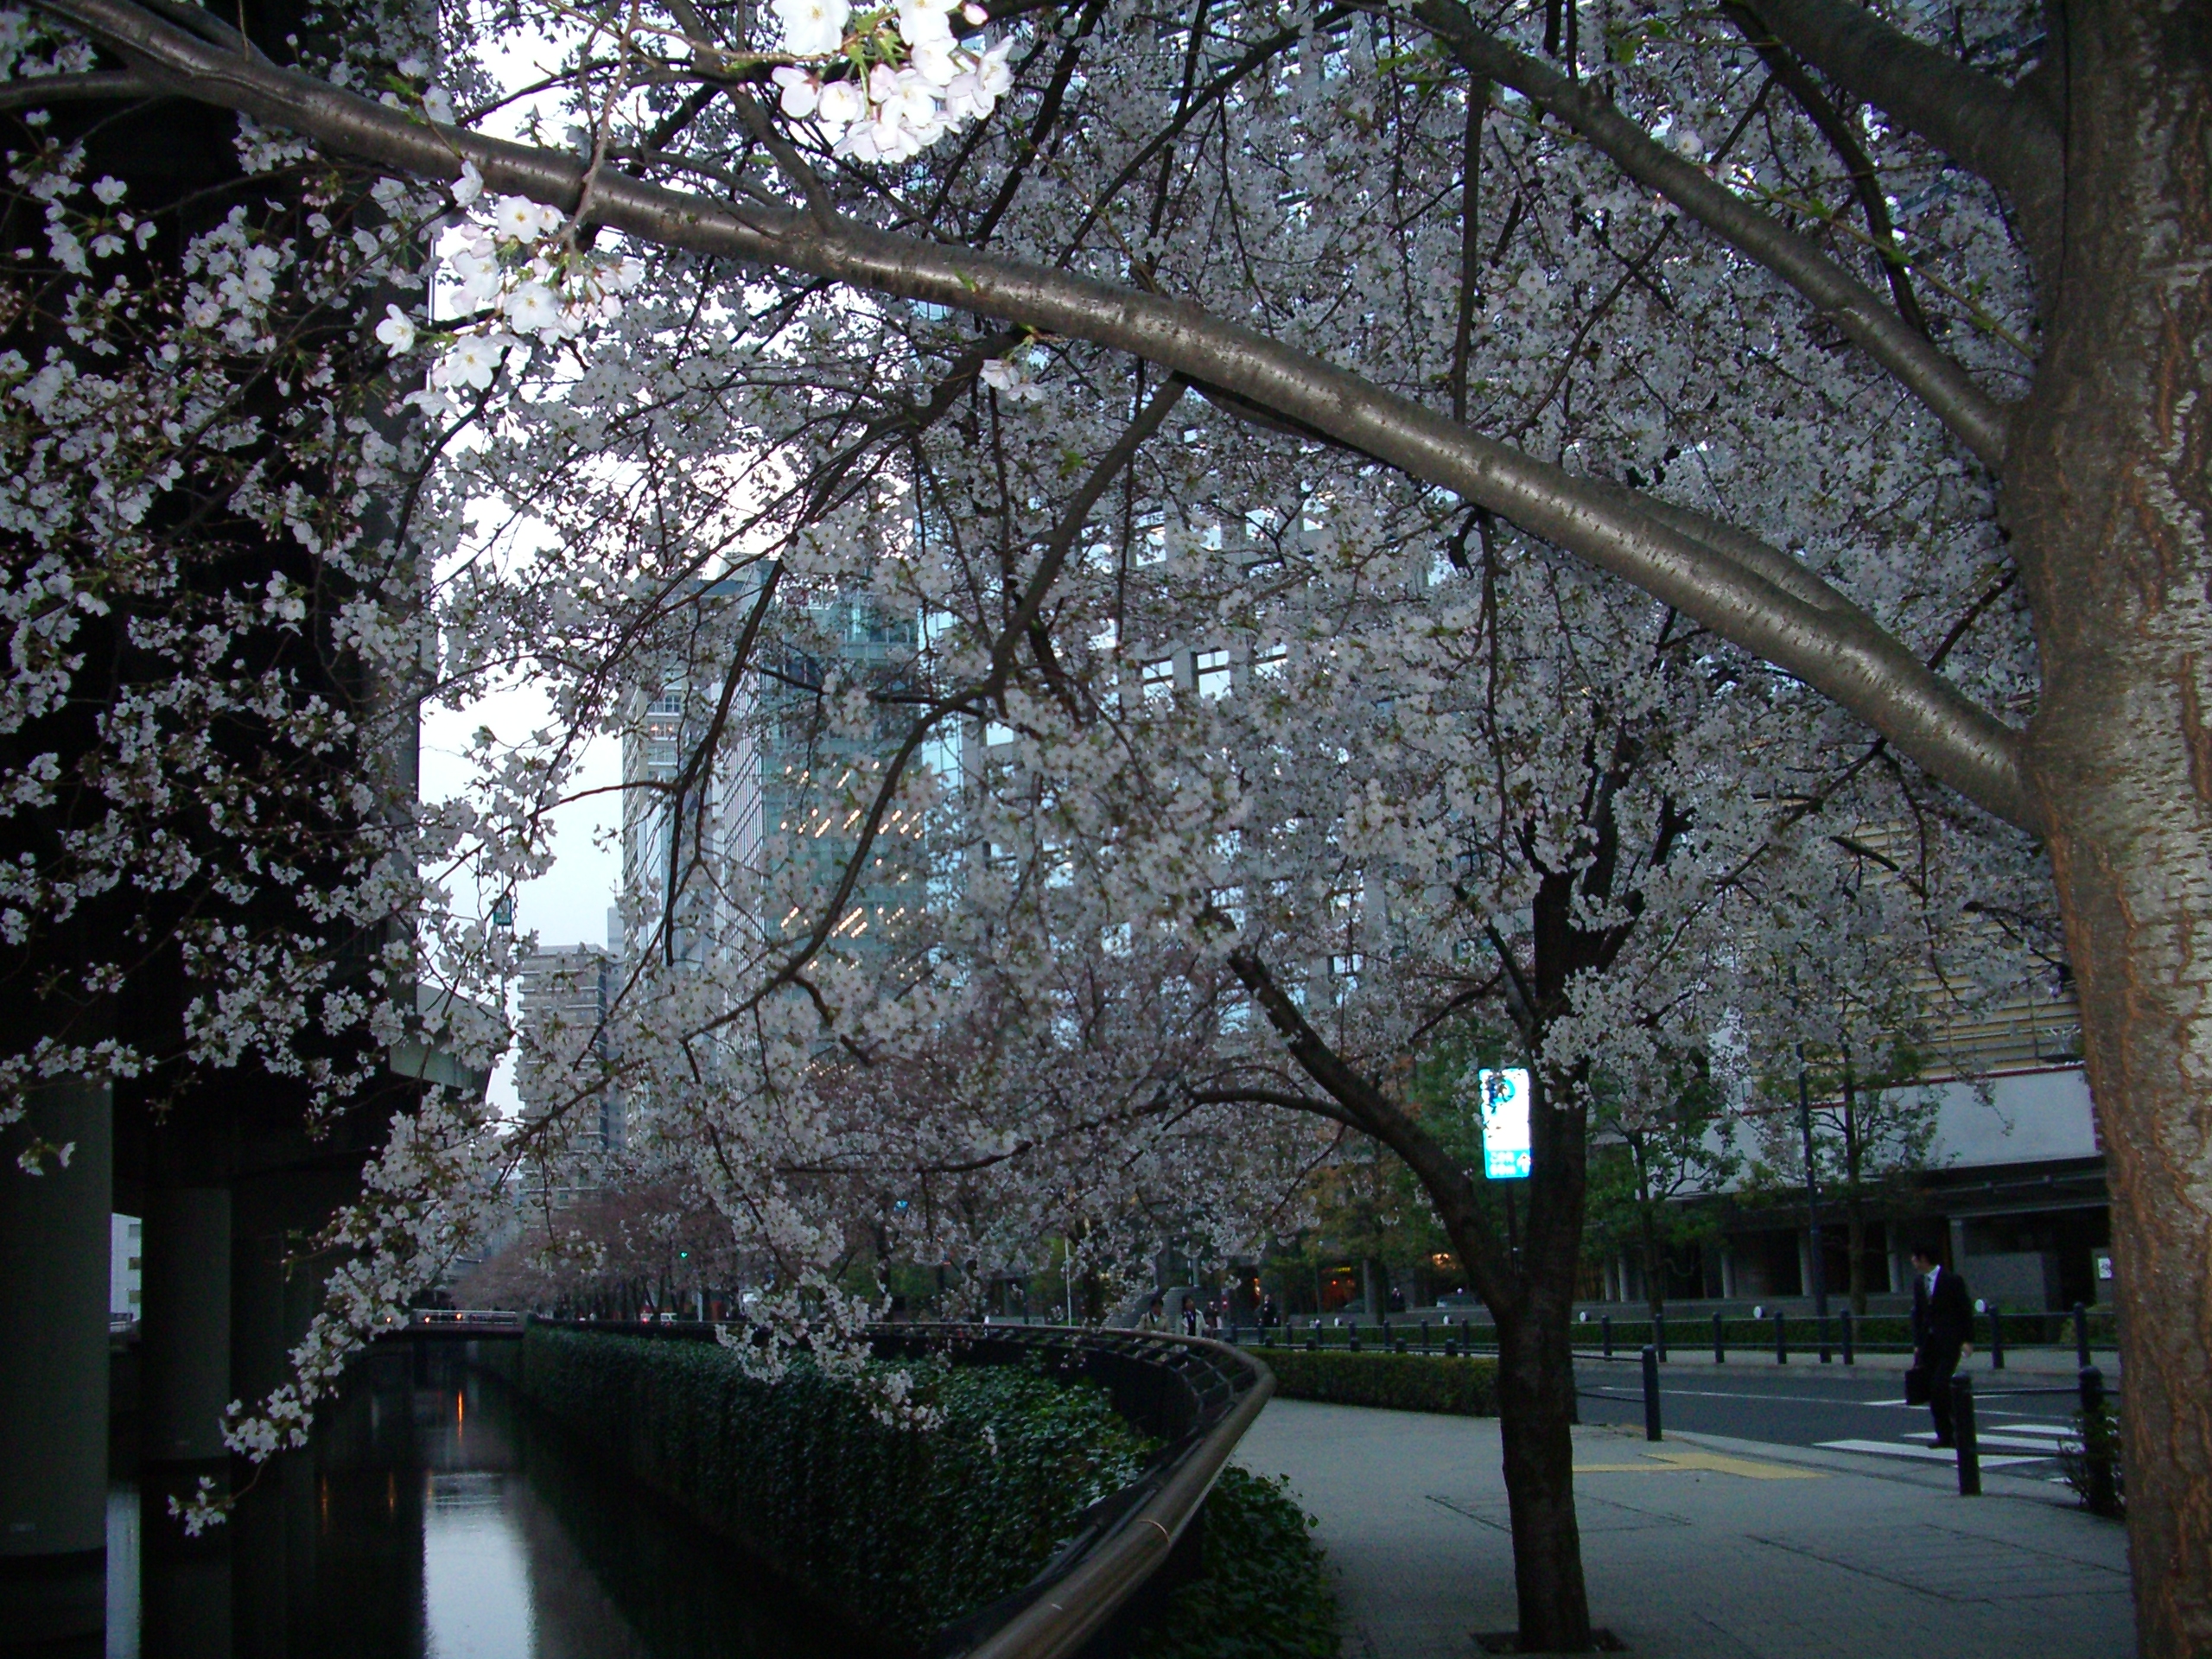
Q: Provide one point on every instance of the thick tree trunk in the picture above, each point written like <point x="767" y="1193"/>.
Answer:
<point x="1535" y="1409"/>
<point x="2109" y="496"/>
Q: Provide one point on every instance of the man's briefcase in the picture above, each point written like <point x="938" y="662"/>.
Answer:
<point x="1916" y="1385"/>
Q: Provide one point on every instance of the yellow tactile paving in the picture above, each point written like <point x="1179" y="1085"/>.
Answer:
<point x="1667" y="1462"/>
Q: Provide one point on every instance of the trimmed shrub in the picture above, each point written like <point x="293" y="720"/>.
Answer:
<point x="2096" y="1435"/>
<point x="1462" y="1385"/>
<point x="1262" y="1591"/>
<point x="910" y="1529"/>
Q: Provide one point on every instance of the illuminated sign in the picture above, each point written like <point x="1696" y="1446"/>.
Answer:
<point x="1505" y="1124"/>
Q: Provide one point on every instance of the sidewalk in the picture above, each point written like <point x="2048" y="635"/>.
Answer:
<point x="1698" y="1547"/>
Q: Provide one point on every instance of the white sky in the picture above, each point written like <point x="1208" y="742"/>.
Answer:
<point x="568" y="905"/>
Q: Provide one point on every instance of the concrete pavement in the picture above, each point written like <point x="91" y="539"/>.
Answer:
<point x="1698" y="1546"/>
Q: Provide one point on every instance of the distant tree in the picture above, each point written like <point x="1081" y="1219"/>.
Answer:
<point x="1653" y="1148"/>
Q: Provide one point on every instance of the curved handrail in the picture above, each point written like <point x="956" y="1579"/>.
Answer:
<point x="1128" y="1535"/>
<point x="1213" y="1392"/>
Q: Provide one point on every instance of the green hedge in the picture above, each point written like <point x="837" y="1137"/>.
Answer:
<point x="1463" y="1386"/>
<point x="917" y="1528"/>
<point x="1263" y="1590"/>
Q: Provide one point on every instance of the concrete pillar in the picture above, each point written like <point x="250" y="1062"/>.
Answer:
<point x="185" y="1344"/>
<point x="54" y="1231"/>
<point x="1727" y="1271"/>
<point x="1959" y="1246"/>
<point x="1805" y="1263"/>
<point x="184" y="1592"/>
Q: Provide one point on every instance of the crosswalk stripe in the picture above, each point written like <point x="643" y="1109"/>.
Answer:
<point x="2011" y="1439"/>
<point x="1925" y="1454"/>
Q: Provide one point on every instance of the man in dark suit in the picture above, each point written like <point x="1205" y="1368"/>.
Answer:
<point x="1943" y="1322"/>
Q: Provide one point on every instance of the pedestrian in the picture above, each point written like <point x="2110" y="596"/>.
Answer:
<point x="1943" y="1322"/>
<point x="1190" y="1316"/>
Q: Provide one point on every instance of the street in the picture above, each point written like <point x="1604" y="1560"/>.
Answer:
<point x="1836" y="1408"/>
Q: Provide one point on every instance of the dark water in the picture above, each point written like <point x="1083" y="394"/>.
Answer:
<point x="435" y="1517"/>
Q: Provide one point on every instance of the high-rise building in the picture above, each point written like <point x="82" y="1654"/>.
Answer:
<point x="570" y="1065"/>
<point x="736" y="830"/>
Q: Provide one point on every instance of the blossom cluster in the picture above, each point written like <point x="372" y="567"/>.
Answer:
<point x="518" y="279"/>
<point x="894" y="111"/>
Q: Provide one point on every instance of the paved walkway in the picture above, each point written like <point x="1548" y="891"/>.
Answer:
<point x="1698" y="1547"/>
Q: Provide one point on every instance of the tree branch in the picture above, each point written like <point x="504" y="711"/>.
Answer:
<point x="1999" y="133"/>
<point x="1821" y="112"/>
<point x="1980" y="421"/>
<point x="61" y="89"/>
<point x="1368" y="1109"/>
<point x="1777" y="615"/>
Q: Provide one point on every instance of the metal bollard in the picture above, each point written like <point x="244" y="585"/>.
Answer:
<point x="2103" y="1495"/>
<point x="1962" y="1433"/>
<point x="1719" y="1342"/>
<point x="1781" y="1340"/>
<point x="1659" y="1333"/>
<point x="1650" y="1391"/>
<point x="1450" y="1347"/>
<point x="2081" y="1336"/>
<point x="1606" y="1324"/>
<point x="1850" y="1355"/>
<point x="1351" y="1336"/>
<point x="1996" y="1338"/>
<point x="1424" y="1336"/>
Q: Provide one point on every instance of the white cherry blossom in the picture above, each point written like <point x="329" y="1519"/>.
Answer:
<point x="812" y="29"/>
<point x="397" y="331"/>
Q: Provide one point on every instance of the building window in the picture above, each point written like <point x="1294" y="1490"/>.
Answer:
<point x="1158" y="680"/>
<point x="1213" y="674"/>
<point x="1270" y="663"/>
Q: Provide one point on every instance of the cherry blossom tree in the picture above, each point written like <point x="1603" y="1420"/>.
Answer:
<point x="1839" y="342"/>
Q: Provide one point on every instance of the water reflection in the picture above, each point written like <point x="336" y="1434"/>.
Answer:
<point x="433" y="1518"/>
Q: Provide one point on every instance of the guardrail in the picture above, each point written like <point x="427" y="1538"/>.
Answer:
<point x="458" y="1322"/>
<point x="1769" y="1333"/>
<point x="1196" y="1396"/>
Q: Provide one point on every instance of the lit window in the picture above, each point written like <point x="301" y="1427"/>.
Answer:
<point x="1158" y="679"/>
<point x="1213" y="673"/>
<point x="1152" y="539"/>
<point x="1270" y="664"/>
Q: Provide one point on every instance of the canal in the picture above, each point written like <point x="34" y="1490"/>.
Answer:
<point x="433" y="1516"/>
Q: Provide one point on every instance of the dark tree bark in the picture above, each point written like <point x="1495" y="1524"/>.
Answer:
<point x="1529" y="1291"/>
<point x="2108" y="495"/>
